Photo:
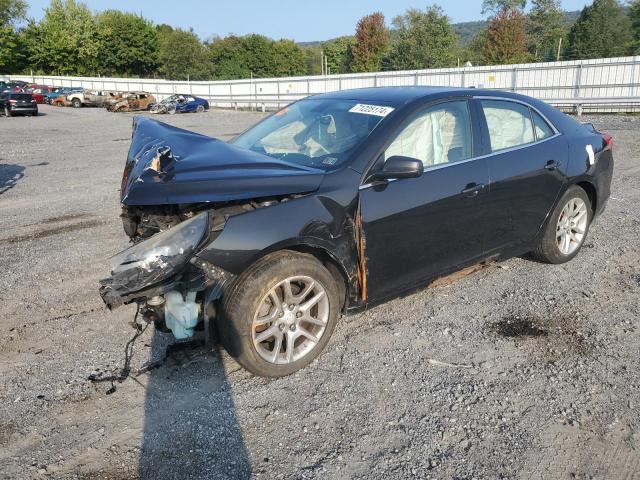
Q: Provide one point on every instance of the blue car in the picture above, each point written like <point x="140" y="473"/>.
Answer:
<point x="180" y="104"/>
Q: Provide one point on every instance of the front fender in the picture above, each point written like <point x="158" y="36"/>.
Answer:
<point x="312" y="222"/>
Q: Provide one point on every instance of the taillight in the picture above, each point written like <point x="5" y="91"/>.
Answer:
<point x="608" y="140"/>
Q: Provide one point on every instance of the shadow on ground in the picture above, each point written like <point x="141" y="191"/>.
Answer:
<point x="10" y="175"/>
<point x="190" y="427"/>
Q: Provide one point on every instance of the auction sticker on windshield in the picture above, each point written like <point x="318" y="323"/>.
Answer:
<point x="376" y="110"/>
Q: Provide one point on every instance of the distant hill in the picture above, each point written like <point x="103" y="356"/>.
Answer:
<point x="465" y="30"/>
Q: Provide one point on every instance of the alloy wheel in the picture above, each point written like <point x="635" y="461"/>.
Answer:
<point x="290" y="320"/>
<point x="572" y="226"/>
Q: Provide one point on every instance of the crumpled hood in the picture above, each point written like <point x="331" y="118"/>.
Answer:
<point x="169" y="165"/>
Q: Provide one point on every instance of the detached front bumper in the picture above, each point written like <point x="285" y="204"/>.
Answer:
<point x="179" y="303"/>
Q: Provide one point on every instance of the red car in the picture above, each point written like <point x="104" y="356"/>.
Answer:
<point x="38" y="92"/>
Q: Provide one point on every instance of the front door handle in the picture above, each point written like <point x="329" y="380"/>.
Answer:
<point x="551" y="165"/>
<point x="473" y="189"/>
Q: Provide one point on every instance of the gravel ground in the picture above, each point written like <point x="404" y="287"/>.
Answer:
<point x="520" y="370"/>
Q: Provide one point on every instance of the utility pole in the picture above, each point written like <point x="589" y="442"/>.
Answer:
<point x="559" y="47"/>
<point x="322" y="62"/>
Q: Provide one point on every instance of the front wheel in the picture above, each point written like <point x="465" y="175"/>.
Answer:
<point x="567" y="228"/>
<point x="76" y="103"/>
<point x="200" y="109"/>
<point x="279" y="315"/>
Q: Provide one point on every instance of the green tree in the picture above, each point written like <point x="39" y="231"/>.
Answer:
<point x="128" y="44"/>
<point x="634" y="16"/>
<point x="181" y="55"/>
<point x="12" y="54"/>
<point x="259" y="55"/>
<point x="422" y="39"/>
<point x="474" y="51"/>
<point x="288" y="59"/>
<point x="12" y="12"/>
<point x="9" y="45"/>
<point x="338" y="53"/>
<point x="505" y="40"/>
<point x="313" y="59"/>
<point x="602" y="30"/>
<point x="64" y="42"/>
<point x="229" y="58"/>
<point x="496" y="6"/>
<point x="545" y="28"/>
<point x="372" y="41"/>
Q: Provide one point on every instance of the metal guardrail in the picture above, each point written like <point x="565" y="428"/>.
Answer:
<point x="575" y="105"/>
<point x="598" y="84"/>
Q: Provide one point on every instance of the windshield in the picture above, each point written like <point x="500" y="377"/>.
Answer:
<point x="315" y="132"/>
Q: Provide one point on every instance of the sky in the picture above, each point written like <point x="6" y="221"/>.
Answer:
<point x="299" y="20"/>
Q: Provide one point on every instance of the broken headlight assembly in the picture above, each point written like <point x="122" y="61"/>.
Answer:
<point x="151" y="262"/>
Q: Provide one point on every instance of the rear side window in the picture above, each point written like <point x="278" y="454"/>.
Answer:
<point x="441" y="134"/>
<point x="543" y="130"/>
<point x="509" y="124"/>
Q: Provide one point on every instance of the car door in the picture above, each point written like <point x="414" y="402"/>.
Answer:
<point x="416" y="229"/>
<point x="527" y="161"/>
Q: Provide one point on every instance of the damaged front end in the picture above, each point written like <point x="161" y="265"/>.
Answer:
<point x="164" y="277"/>
<point x="173" y="174"/>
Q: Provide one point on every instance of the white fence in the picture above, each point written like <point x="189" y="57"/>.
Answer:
<point x="603" y="85"/>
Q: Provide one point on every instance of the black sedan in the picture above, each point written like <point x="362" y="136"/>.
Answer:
<point x="12" y="103"/>
<point x="342" y="201"/>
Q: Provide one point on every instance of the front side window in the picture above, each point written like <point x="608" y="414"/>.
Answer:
<point x="509" y="124"/>
<point x="439" y="135"/>
<point x="319" y="133"/>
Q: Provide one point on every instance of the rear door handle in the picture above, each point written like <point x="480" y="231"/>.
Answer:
<point x="551" y="165"/>
<point x="473" y="189"/>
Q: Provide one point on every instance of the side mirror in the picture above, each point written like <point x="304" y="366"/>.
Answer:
<point x="399" y="167"/>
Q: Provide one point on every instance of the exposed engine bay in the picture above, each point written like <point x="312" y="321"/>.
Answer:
<point x="143" y="221"/>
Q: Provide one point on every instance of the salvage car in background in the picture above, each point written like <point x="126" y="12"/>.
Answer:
<point x="17" y="103"/>
<point x="342" y="201"/>
<point x="93" y="98"/>
<point x="132" y="101"/>
<point x="58" y="95"/>
<point x="13" y="86"/>
<point x="38" y="92"/>
<point x="180" y="104"/>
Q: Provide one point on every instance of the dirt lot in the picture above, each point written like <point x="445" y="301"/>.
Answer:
<point x="521" y="370"/>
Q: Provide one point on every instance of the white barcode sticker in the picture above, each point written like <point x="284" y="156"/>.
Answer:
<point x="376" y="110"/>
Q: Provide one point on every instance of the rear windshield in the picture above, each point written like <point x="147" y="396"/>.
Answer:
<point x="21" y="96"/>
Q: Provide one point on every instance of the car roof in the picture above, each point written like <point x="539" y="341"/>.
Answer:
<point x="406" y="95"/>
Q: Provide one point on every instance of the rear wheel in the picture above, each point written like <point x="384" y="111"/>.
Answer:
<point x="279" y="315"/>
<point x="567" y="227"/>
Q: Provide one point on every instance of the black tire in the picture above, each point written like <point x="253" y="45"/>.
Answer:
<point x="243" y="298"/>
<point x="76" y="103"/>
<point x="200" y="109"/>
<point x="548" y="250"/>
